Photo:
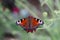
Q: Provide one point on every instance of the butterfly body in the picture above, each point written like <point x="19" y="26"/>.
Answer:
<point x="29" y="24"/>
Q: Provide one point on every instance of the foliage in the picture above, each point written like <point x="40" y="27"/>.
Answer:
<point x="49" y="31"/>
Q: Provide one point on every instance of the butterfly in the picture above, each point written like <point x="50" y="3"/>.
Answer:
<point x="29" y="24"/>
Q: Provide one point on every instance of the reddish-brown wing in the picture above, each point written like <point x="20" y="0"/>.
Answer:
<point x="23" y="23"/>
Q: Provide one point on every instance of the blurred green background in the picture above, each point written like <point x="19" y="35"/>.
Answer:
<point x="49" y="31"/>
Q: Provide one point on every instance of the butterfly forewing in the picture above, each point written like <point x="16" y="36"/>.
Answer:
<point x="24" y="23"/>
<point x="34" y="23"/>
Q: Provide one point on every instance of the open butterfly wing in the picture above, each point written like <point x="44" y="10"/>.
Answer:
<point x="24" y="23"/>
<point x="34" y="23"/>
